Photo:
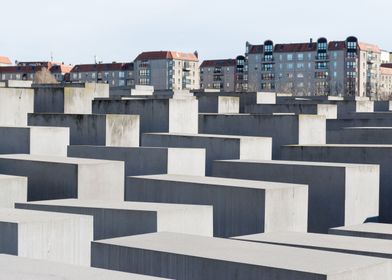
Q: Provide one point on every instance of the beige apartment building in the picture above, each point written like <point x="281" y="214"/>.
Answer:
<point x="167" y="70"/>
<point x="322" y="67"/>
<point x="114" y="74"/>
<point x="226" y="75"/>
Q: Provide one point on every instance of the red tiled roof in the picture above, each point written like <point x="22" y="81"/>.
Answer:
<point x="296" y="47"/>
<point x="20" y="69"/>
<point x="218" y="63"/>
<point x="369" y="47"/>
<point x="102" y="67"/>
<point x="256" y="49"/>
<point x="61" y="69"/>
<point x="336" y="45"/>
<point x="386" y="70"/>
<point x="167" y="55"/>
<point x="5" y="60"/>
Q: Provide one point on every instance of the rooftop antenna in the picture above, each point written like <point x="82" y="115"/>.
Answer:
<point x="51" y="56"/>
<point x="95" y="59"/>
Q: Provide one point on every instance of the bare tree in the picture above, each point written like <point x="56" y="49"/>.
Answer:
<point x="44" y="77"/>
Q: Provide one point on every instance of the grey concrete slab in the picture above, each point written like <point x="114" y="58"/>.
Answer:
<point x="360" y="135"/>
<point x="327" y="110"/>
<point x="147" y="160"/>
<point x="217" y="146"/>
<point x="326" y="242"/>
<point x="115" y="219"/>
<point x="339" y="194"/>
<point x="109" y="130"/>
<point x="34" y="140"/>
<point x="49" y="236"/>
<point x="284" y="129"/>
<point x="12" y="189"/>
<point x="156" y="115"/>
<point x="239" y="205"/>
<point x="363" y="121"/>
<point x="61" y="177"/>
<point x="15" y="104"/>
<point x="182" y="256"/>
<point x="368" y="230"/>
<point x="19" y="268"/>
<point x="216" y="103"/>
<point x="350" y="153"/>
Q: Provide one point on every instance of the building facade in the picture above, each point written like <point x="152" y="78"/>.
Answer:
<point x="315" y="68"/>
<point x="167" y="70"/>
<point x="386" y="81"/>
<point x="114" y="74"/>
<point x="27" y="70"/>
<point x="227" y="75"/>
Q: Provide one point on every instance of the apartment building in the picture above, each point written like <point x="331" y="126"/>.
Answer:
<point x="5" y="61"/>
<point x="114" y="74"/>
<point x="226" y="75"/>
<point x="167" y="70"/>
<point x="27" y="70"/>
<point x="386" y="80"/>
<point x="314" y="68"/>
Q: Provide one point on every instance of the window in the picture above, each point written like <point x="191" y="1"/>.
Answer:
<point x="289" y="57"/>
<point x="351" y="64"/>
<point x="228" y="85"/>
<point x="300" y="75"/>
<point x="351" y="45"/>
<point x="144" y="72"/>
<point x="300" y="56"/>
<point x="121" y="74"/>
<point x="322" y="46"/>
<point x="335" y="64"/>
<point x="309" y="56"/>
<point x="300" y="66"/>
<point x="144" y="81"/>
<point x="289" y="66"/>
<point x="93" y="75"/>
<point x="321" y="65"/>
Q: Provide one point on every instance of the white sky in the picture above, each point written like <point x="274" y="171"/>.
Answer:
<point x="117" y="30"/>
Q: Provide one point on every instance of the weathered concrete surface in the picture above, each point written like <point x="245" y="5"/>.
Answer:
<point x="147" y="160"/>
<point x="360" y="135"/>
<point x="57" y="98"/>
<point x="326" y="242"/>
<point x="266" y="98"/>
<point x="339" y="194"/>
<point x="368" y="230"/>
<point x="182" y="256"/>
<point x="327" y="110"/>
<point x="99" y="90"/>
<point x="12" y="189"/>
<point x="217" y="146"/>
<point x="34" y="140"/>
<point x="365" y="154"/>
<point x="50" y="236"/>
<point x="18" y="268"/>
<point x="239" y="205"/>
<point x="61" y="177"/>
<point x="156" y="115"/>
<point x="284" y="129"/>
<point x="115" y="219"/>
<point x="18" y="84"/>
<point x="109" y="130"/>
<point x="216" y="103"/>
<point x="15" y="104"/>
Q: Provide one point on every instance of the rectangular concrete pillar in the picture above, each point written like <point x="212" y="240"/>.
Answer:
<point x="156" y="115"/>
<point x="239" y="205"/>
<point x="109" y="130"/>
<point x="326" y="242"/>
<point x="221" y="104"/>
<point x="115" y="219"/>
<point x="34" y="140"/>
<point x="360" y="135"/>
<point x="19" y="268"/>
<point x="339" y="194"/>
<point x="363" y="154"/>
<point x="327" y="110"/>
<point x="147" y="160"/>
<point x="217" y="146"/>
<point x="67" y="99"/>
<point x="18" y="84"/>
<point x="266" y="98"/>
<point x="368" y="230"/>
<point x="48" y="236"/>
<point x="283" y="129"/>
<point x="181" y="256"/>
<point x="61" y="177"/>
<point x="12" y="189"/>
<point x="15" y="104"/>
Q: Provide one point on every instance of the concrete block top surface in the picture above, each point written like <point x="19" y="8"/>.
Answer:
<point x="18" y="268"/>
<point x="342" y="146"/>
<point x="238" y="183"/>
<point x="19" y="216"/>
<point x="368" y="228"/>
<point x="266" y="255"/>
<point x="327" y="241"/>
<point x="11" y="177"/>
<point x="127" y="205"/>
<point x="303" y="163"/>
<point x="220" y="136"/>
<point x="55" y="159"/>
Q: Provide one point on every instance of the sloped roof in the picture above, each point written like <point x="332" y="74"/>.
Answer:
<point x="167" y="55"/>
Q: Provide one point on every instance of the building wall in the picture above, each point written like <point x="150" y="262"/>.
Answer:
<point x="222" y="78"/>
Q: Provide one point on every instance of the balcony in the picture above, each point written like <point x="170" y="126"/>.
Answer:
<point x="322" y="57"/>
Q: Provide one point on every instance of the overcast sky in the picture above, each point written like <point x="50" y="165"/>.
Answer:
<point x="117" y="30"/>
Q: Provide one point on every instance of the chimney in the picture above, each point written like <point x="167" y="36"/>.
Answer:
<point x="196" y="54"/>
<point x="311" y="40"/>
